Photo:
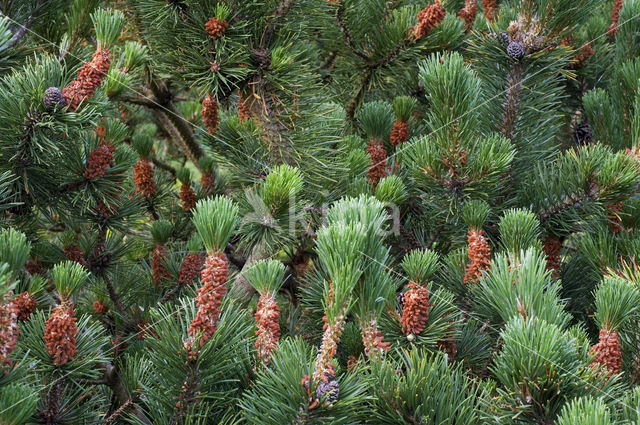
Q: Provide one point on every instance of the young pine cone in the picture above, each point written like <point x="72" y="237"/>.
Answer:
<point x="329" y="389"/>
<point x="53" y="99"/>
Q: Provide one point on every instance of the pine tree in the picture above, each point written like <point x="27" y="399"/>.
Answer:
<point x="319" y="212"/>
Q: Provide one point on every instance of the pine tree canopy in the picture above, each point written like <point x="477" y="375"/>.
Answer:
<point x="320" y="212"/>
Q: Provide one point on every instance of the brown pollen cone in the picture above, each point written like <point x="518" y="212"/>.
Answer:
<point x="243" y="109"/>
<point x="25" y="304"/>
<point x="399" y="133"/>
<point x="415" y="309"/>
<point x="428" y="19"/>
<point x="98" y="161"/>
<point x="158" y="270"/>
<point x="608" y="351"/>
<point x="60" y="333"/>
<point x="328" y="349"/>
<point x="74" y="253"/>
<point x="187" y="197"/>
<point x="190" y="268"/>
<point x="99" y="307"/>
<point x="479" y="254"/>
<point x="551" y="248"/>
<point x="372" y="339"/>
<point x="33" y="266"/>
<point x="216" y="27"/>
<point x="210" y="113"/>
<point x="378" y="156"/>
<point x="585" y="52"/>
<point x="207" y="183"/>
<point x="468" y="13"/>
<point x="89" y="79"/>
<point x="489" y="7"/>
<point x="615" y="17"/>
<point x="449" y="347"/>
<point x="214" y="276"/>
<point x="9" y="330"/>
<point x="143" y="178"/>
<point x="268" y="327"/>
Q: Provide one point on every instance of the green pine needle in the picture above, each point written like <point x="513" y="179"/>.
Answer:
<point x="403" y="107"/>
<point x="216" y="220"/>
<point x="161" y="231"/>
<point x="519" y="230"/>
<point x="420" y="265"/>
<point x="376" y="119"/>
<point x="266" y="276"/>
<point x="14" y="249"/>
<point x="67" y="277"/>
<point x="108" y="25"/>
<point x="616" y="301"/>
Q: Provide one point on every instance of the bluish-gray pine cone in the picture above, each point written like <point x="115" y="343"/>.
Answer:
<point x="515" y="50"/>
<point x="330" y="390"/>
<point x="53" y="99"/>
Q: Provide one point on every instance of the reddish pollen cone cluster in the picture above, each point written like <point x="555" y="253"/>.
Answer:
<point x="415" y="309"/>
<point x="268" y="328"/>
<point x="210" y="113"/>
<point x="615" y="17"/>
<point x="489" y="7"/>
<point x="329" y="345"/>
<point x="585" y="52"/>
<point x="60" y="333"/>
<point x="216" y="27"/>
<point x="143" y="178"/>
<point x="399" y="133"/>
<point x="9" y="330"/>
<point x="608" y="351"/>
<point x="243" y="109"/>
<point x="328" y="349"/>
<point x="551" y="248"/>
<point x="187" y="197"/>
<point x="468" y="13"/>
<point x="449" y="347"/>
<point x="428" y="19"/>
<point x="97" y="162"/>
<point x="34" y="266"/>
<point x="99" y="307"/>
<point x="479" y="254"/>
<point x="378" y="155"/>
<point x="214" y="276"/>
<point x="89" y="78"/>
<point x="158" y="270"/>
<point x="372" y="339"/>
<point x="634" y="153"/>
<point x="190" y="268"/>
<point x="207" y="183"/>
<point x="25" y="304"/>
<point x="74" y="253"/>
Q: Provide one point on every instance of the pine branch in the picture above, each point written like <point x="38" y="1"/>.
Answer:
<point x="114" y="382"/>
<point x="347" y="34"/>
<point x="164" y="166"/>
<point x="115" y="298"/>
<point x="118" y="412"/>
<point x="282" y="10"/>
<point x="241" y="288"/>
<point x="512" y="101"/>
<point x="351" y="108"/>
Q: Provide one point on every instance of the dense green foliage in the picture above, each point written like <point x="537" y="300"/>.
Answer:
<point x="320" y="212"/>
